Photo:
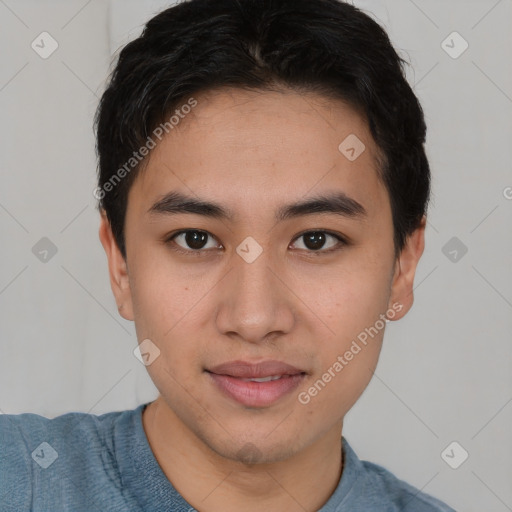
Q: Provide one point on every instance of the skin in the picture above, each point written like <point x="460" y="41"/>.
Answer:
<point x="253" y="152"/>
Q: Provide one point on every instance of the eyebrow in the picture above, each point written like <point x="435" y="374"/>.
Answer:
<point x="338" y="203"/>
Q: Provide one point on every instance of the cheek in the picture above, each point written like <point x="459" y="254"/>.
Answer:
<point x="354" y="306"/>
<point x="357" y="294"/>
<point x="170" y="308"/>
<point x="348" y="360"/>
<point x="160" y="296"/>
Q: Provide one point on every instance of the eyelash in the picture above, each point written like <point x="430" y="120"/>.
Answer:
<point x="200" y="252"/>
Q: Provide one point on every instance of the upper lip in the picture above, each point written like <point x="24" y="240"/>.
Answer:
<point x="244" y="369"/>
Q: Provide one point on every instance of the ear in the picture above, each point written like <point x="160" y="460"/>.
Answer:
<point x="405" y="270"/>
<point x="117" y="268"/>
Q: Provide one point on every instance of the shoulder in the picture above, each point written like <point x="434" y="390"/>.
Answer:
<point x="402" y="496"/>
<point x="368" y="486"/>
<point x="19" y="433"/>
<point x="44" y="460"/>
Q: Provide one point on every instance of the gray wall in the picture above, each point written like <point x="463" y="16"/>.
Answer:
<point x="445" y="373"/>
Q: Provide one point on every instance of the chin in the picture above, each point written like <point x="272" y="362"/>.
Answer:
<point x="250" y="452"/>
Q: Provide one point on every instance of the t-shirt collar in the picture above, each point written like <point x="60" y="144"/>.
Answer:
<point x="144" y="479"/>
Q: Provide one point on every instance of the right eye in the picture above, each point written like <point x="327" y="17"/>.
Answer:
<point x="191" y="240"/>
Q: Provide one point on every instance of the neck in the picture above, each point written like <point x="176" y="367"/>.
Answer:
<point x="210" y="482"/>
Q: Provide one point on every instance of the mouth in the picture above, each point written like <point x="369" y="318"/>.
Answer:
<point x="265" y="379"/>
<point x="256" y="385"/>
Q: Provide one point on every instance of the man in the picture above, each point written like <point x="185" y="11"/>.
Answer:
<point x="263" y="189"/>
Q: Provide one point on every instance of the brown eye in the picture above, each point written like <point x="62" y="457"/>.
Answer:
<point x="319" y="241"/>
<point x="192" y="239"/>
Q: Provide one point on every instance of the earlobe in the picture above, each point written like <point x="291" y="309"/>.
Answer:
<point x="118" y="270"/>
<point x="405" y="270"/>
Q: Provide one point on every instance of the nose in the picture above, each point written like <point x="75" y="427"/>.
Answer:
<point x="255" y="303"/>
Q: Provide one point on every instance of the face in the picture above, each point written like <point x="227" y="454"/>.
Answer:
<point x="292" y="265"/>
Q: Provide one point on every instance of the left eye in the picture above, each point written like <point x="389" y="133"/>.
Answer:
<point x="316" y="240"/>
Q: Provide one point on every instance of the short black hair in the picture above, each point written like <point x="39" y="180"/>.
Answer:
<point x="327" y="47"/>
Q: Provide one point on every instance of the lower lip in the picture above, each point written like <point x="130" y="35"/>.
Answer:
<point x="256" y="394"/>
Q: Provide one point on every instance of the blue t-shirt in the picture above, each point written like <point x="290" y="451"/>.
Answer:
<point x="84" y="462"/>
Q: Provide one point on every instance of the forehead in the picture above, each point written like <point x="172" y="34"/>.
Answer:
<point x="255" y="147"/>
